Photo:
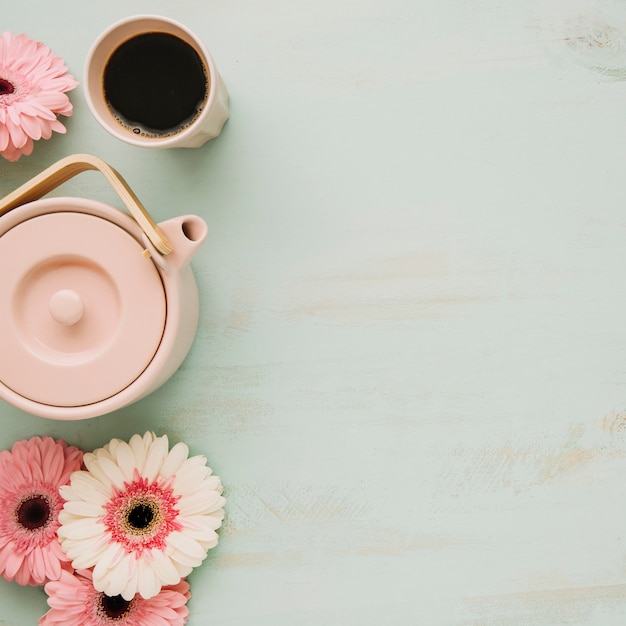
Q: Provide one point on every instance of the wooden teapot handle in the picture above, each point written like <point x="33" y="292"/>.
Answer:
<point x="68" y="167"/>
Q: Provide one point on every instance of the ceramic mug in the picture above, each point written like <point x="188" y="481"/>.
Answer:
<point x="151" y="82"/>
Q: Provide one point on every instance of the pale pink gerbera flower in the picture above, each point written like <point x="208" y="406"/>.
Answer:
<point x="142" y="516"/>
<point x="75" y="602"/>
<point x="33" y="82"/>
<point x="30" y="477"/>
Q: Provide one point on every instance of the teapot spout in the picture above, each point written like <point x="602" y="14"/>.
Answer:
<point x="186" y="234"/>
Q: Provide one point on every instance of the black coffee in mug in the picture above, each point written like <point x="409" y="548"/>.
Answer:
<point x="155" y="84"/>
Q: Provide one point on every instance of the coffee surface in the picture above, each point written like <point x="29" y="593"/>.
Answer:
<point x="155" y="83"/>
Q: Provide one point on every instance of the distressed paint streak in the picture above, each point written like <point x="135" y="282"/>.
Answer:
<point x="570" y="605"/>
<point x="251" y="506"/>
<point x="369" y="543"/>
<point x="615" y="424"/>
<point x="269" y="558"/>
<point x="232" y="415"/>
<point x="394" y="308"/>
<point x="594" y="34"/>
<point x="599" y="45"/>
<point x="554" y="464"/>
<point x="392" y="542"/>
<point x="491" y="467"/>
<point x="242" y="309"/>
<point x="411" y="286"/>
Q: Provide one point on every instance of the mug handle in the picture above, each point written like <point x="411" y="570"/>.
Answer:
<point x="68" y="167"/>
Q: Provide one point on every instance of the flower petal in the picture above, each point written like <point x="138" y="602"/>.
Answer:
<point x="107" y="575"/>
<point x="155" y="457"/>
<point x="37" y="566"/>
<point x="83" y="508"/>
<point x="175" y="459"/>
<point x="125" y="460"/>
<point x="164" y="568"/>
<point x="187" y="545"/>
<point x="79" y="529"/>
<point x="5" y="137"/>
<point x="85" y="487"/>
<point x="147" y="583"/>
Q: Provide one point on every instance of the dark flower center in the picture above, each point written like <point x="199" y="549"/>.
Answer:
<point x="34" y="512"/>
<point x="6" y="87"/>
<point x="114" y="607"/>
<point x="142" y="516"/>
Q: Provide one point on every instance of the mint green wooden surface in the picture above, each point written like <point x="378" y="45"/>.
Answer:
<point x="410" y="370"/>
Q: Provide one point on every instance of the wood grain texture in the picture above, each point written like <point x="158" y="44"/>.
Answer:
<point x="410" y="366"/>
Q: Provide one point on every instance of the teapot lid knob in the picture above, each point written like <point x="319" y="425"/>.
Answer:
<point x="66" y="307"/>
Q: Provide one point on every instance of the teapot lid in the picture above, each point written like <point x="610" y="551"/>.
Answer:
<point x="82" y="310"/>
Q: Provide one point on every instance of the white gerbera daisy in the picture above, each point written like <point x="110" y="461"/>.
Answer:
<point x="141" y="515"/>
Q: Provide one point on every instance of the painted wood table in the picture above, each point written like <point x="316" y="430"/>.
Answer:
<point x="410" y="368"/>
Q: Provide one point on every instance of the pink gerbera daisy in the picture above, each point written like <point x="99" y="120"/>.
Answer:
<point x="75" y="602"/>
<point x="141" y="515"/>
<point x="32" y="473"/>
<point x="33" y="82"/>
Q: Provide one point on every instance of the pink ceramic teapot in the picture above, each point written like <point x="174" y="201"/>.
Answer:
<point x="98" y="308"/>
